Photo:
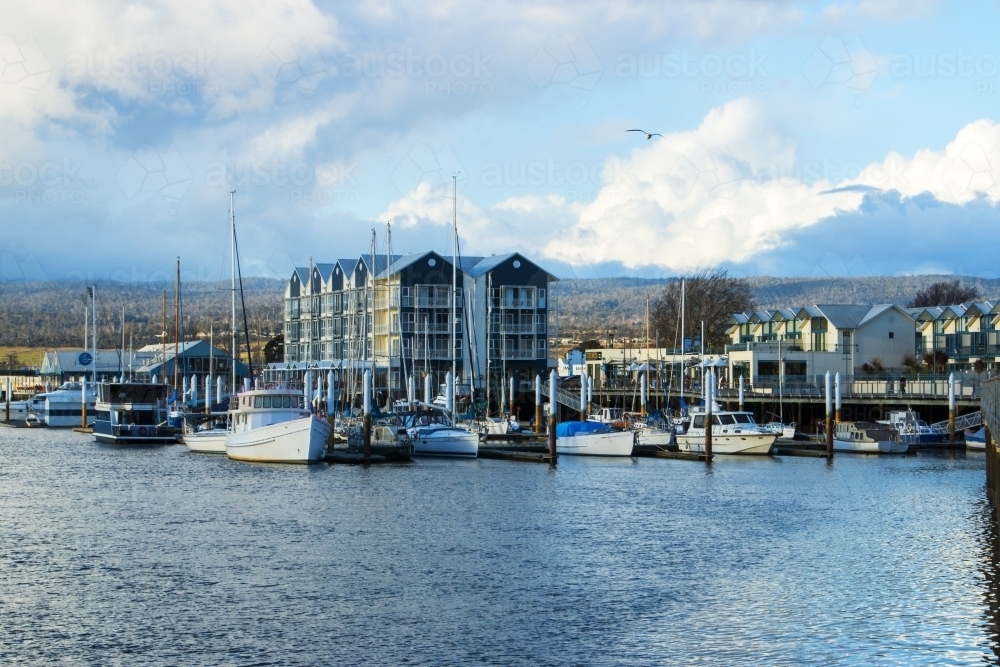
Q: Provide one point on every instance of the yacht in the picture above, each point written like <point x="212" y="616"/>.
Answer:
<point x="592" y="438"/>
<point x="732" y="433"/>
<point x="976" y="439"/>
<point x="867" y="438"/>
<point x="651" y="433"/>
<point x="274" y="426"/>
<point x="61" y="407"/>
<point x="433" y="434"/>
<point x="132" y="414"/>
<point x="208" y="438"/>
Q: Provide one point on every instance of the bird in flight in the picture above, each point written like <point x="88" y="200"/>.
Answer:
<point x="649" y="135"/>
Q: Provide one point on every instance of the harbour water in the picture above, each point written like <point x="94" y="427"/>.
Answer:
<point x="158" y="556"/>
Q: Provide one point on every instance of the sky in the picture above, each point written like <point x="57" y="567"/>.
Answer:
<point x="796" y="138"/>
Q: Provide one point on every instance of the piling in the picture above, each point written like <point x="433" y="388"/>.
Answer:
<point x="742" y="391"/>
<point x="330" y="398"/>
<point x="7" y="395"/>
<point x="553" y="412"/>
<point x="829" y="417"/>
<point x="411" y="391"/>
<point x="590" y="395"/>
<point x="367" y="424"/>
<point x="427" y="389"/>
<point x="708" y="417"/>
<point x="208" y="394"/>
<point x="836" y="384"/>
<point x="583" y="397"/>
<point x="511" y="397"/>
<point x="449" y="394"/>
<point x="951" y="408"/>
<point x="83" y="398"/>
<point x="538" y="404"/>
<point x="643" y="393"/>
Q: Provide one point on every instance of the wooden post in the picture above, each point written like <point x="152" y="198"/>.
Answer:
<point x="539" y="425"/>
<point x="367" y="424"/>
<point x="829" y="417"/>
<point x="708" y="416"/>
<point x="951" y="408"/>
<point x="553" y="413"/>
<point x="643" y="392"/>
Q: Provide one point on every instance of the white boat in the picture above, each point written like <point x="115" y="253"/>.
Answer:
<point x="273" y="426"/>
<point x="208" y="440"/>
<point x="61" y="408"/>
<point x="655" y="434"/>
<point x="591" y="438"/>
<point x="433" y="434"/>
<point x="976" y="439"/>
<point x="779" y="429"/>
<point x="867" y="438"/>
<point x="732" y="433"/>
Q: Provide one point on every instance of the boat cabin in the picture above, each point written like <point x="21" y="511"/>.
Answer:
<point x="132" y="413"/>
<point x="735" y="421"/>
<point x="263" y="407"/>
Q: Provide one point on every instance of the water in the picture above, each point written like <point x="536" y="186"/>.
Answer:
<point x="158" y="556"/>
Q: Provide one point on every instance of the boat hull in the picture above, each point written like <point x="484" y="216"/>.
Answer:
<point x="757" y="444"/>
<point x="875" y="447"/>
<point x="296" y="441"/>
<point x="618" y="443"/>
<point x="206" y="442"/>
<point x="108" y="433"/>
<point x="651" y="438"/>
<point x="452" y="443"/>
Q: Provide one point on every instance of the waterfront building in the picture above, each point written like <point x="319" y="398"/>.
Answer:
<point x="59" y="366"/>
<point x="966" y="333"/>
<point x="392" y="314"/>
<point x="193" y="357"/>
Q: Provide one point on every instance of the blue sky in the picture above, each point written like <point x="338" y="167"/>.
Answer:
<point x="799" y="138"/>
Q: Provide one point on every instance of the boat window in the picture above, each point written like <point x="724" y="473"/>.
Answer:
<point x="715" y="420"/>
<point x="699" y="421"/>
<point x="256" y="401"/>
<point x="742" y="418"/>
<point x="287" y="402"/>
<point x="727" y="419"/>
<point x="267" y="401"/>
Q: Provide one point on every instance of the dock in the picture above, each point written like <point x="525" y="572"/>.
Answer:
<point x="532" y="454"/>
<point x="648" y="451"/>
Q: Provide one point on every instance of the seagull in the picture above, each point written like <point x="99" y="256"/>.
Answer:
<point x="649" y="135"/>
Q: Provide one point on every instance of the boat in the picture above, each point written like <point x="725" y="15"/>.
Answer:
<point x="61" y="408"/>
<point x="591" y="438"/>
<point x="433" y="434"/>
<point x="779" y="429"/>
<point x="976" y="439"/>
<point x="132" y="414"/>
<point x="653" y="433"/>
<point x="913" y="430"/>
<point x="867" y="438"/>
<point x="274" y="426"/>
<point x="611" y="417"/>
<point x="732" y="433"/>
<point x="209" y="439"/>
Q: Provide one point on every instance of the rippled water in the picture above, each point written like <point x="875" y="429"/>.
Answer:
<point x="159" y="556"/>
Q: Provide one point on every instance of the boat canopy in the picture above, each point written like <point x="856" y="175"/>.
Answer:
<point x="569" y="429"/>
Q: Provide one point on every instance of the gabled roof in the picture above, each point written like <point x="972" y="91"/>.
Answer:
<point x="325" y="271"/>
<point x="347" y="265"/>
<point x="806" y="312"/>
<point x="846" y="316"/>
<point x="487" y="264"/>
<point x="303" y="274"/>
<point x="950" y="312"/>
<point x="877" y="310"/>
<point x="739" y="318"/>
<point x="400" y="262"/>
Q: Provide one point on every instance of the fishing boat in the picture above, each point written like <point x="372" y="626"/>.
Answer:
<point x="132" y="414"/>
<point x="61" y="408"/>
<point x="732" y="433"/>
<point x="433" y="434"/>
<point x="274" y="426"/>
<point x="592" y="438"/>
<point x="867" y="438"/>
<point x="976" y="439"/>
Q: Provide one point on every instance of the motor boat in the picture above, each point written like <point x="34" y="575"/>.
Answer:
<point x="433" y="434"/>
<point x="732" y="433"/>
<point x="274" y="426"/>
<point x="779" y="429"/>
<point x="912" y="429"/>
<point x="132" y="414"/>
<point x="867" y="438"/>
<point x="209" y="438"/>
<point x="61" y="408"/>
<point x="976" y="439"/>
<point x="591" y="438"/>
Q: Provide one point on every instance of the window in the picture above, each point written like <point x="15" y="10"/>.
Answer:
<point x="256" y="401"/>
<point x="699" y="421"/>
<point x="267" y="401"/>
<point x="892" y="334"/>
<point x="286" y="402"/>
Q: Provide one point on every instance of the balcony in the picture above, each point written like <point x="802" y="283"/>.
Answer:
<point x="771" y="347"/>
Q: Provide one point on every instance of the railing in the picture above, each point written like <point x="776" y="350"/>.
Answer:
<point x="851" y="386"/>
<point x="519" y="354"/>
<point x="788" y="346"/>
<point x="433" y="354"/>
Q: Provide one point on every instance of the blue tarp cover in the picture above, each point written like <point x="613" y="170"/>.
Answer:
<point x="569" y="429"/>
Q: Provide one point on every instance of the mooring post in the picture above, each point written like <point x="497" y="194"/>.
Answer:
<point x="7" y="395"/>
<point x="643" y="393"/>
<point x="741" y="393"/>
<point x="707" y="380"/>
<point x="590" y="394"/>
<point x="583" y="397"/>
<point x="367" y="424"/>
<point x="951" y="408"/>
<point x="836" y="384"/>
<point x="83" y="400"/>
<point x="511" y="397"/>
<point x="411" y="391"/>
<point x="829" y="417"/>
<point x="208" y="394"/>
<point x="331" y="402"/>
<point x="539" y="426"/>
<point x="553" y="413"/>
<point x="427" y="388"/>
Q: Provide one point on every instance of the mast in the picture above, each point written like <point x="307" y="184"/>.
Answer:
<point x="232" y="215"/>
<point x="177" y="320"/>
<point x="121" y="357"/>
<point x="163" y="341"/>
<point x="93" y="323"/>
<point x="388" y="296"/>
<point x="454" y="290"/>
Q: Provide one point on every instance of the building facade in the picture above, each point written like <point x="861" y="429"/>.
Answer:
<point x="400" y="316"/>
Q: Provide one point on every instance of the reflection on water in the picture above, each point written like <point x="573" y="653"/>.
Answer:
<point x="113" y="555"/>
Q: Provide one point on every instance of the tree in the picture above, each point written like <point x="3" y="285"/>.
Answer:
<point x="590" y="345"/>
<point x="944" y="293"/>
<point x="936" y="361"/>
<point x="274" y="350"/>
<point x="711" y="296"/>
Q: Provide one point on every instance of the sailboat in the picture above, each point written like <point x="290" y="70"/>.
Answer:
<point x="436" y="434"/>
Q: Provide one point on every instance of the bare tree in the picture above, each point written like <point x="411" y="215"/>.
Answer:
<point x="944" y="293"/>
<point x="711" y="296"/>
